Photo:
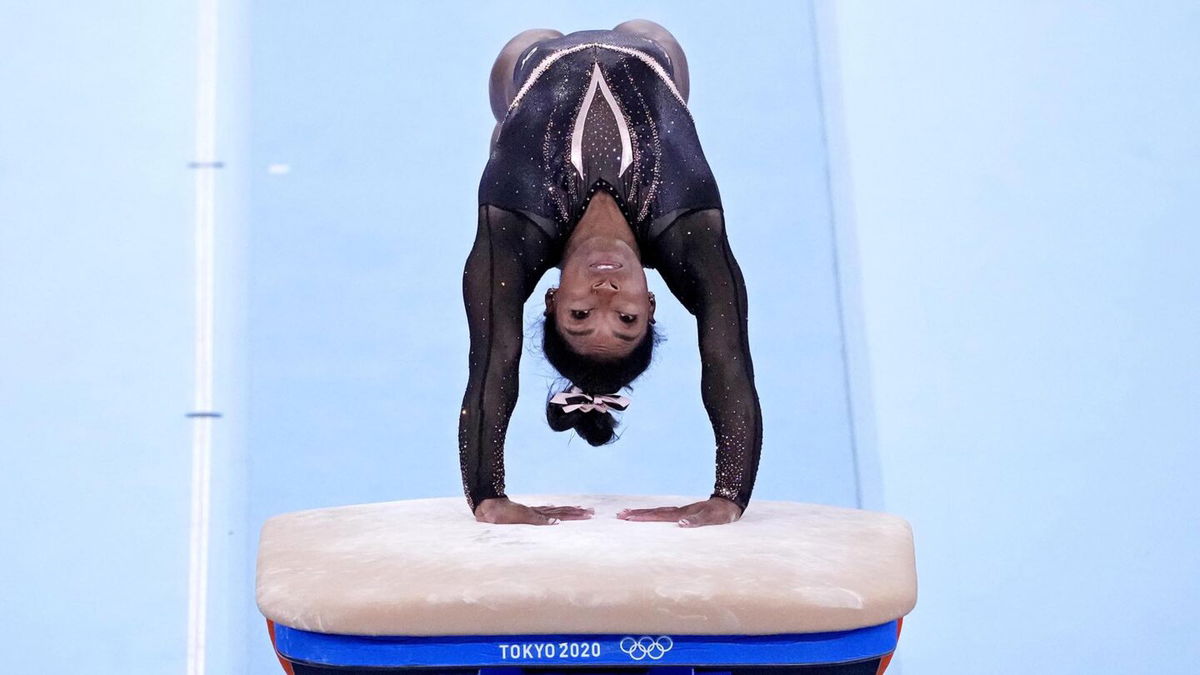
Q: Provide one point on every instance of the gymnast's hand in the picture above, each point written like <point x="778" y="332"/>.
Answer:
<point x="712" y="511"/>
<point x="501" y="510"/>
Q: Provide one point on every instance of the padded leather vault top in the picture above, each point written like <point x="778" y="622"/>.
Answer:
<point x="426" y="567"/>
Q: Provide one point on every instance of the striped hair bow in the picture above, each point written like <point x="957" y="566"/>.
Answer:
<point x="574" y="398"/>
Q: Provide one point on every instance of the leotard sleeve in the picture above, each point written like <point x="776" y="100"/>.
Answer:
<point x="510" y="254"/>
<point x="695" y="260"/>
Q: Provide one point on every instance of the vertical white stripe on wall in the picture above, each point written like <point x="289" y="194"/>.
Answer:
<point x="203" y="165"/>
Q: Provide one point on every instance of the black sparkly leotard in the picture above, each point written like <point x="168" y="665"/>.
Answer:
<point x="597" y="110"/>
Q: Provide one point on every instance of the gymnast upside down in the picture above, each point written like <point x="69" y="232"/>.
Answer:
<point x="596" y="169"/>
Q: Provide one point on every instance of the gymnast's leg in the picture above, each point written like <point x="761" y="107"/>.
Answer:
<point x="502" y="89"/>
<point x="662" y="36"/>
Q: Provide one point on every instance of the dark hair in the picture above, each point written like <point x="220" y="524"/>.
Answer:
<point x="593" y="376"/>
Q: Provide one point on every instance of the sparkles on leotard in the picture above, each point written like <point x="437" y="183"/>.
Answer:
<point x="597" y="110"/>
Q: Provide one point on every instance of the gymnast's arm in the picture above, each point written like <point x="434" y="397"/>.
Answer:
<point x="510" y="254"/>
<point x="698" y="266"/>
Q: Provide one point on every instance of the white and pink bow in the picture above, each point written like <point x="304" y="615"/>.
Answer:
<point x="574" y="398"/>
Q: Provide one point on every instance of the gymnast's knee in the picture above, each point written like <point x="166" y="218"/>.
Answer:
<point x="502" y="89"/>
<point x="656" y="32"/>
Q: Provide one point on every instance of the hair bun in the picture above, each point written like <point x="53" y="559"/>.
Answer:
<point x="597" y="428"/>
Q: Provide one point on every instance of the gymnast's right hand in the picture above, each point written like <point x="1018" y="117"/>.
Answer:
<point x="503" y="511"/>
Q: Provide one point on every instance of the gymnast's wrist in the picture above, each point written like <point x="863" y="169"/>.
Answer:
<point x="482" y="503"/>
<point x="740" y="507"/>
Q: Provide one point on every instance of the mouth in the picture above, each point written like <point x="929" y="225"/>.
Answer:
<point x="605" y="266"/>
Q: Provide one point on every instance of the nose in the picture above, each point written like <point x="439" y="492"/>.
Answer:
<point x="605" y="285"/>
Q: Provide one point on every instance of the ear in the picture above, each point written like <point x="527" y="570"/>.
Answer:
<point x="549" y="301"/>
<point x="653" y="305"/>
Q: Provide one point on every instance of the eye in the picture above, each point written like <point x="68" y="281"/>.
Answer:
<point x="580" y="314"/>
<point x="628" y="318"/>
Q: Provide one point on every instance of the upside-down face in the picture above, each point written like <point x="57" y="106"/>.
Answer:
<point x="602" y="306"/>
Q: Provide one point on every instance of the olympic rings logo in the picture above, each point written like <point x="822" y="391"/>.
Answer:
<point x="646" y="647"/>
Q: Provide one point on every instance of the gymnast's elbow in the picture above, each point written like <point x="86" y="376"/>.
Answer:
<point x="490" y="354"/>
<point x="727" y="352"/>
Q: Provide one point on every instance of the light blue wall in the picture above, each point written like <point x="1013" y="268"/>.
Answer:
<point x="96" y="338"/>
<point x="1023" y="181"/>
<point x="95" y="334"/>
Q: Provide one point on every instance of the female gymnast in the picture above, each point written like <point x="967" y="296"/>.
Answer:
<point x="596" y="169"/>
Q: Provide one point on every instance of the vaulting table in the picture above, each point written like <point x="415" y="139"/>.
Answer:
<point x="420" y="586"/>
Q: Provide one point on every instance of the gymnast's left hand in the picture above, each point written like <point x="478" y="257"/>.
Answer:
<point x="712" y="511"/>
